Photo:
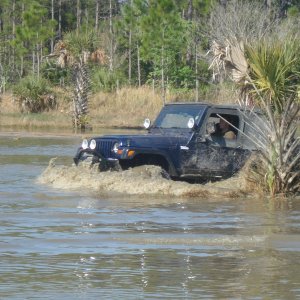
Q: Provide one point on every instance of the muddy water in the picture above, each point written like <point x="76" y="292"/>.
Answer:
<point x="73" y="234"/>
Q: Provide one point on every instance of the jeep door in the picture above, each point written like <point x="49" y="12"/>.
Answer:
<point x="215" y="154"/>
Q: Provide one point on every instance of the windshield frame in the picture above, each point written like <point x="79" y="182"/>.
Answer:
<point x="195" y="111"/>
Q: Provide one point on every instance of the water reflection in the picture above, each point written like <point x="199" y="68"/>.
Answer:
<point x="66" y="244"/>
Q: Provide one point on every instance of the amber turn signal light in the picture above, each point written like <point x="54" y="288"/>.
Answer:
<point x="130" y="153"/>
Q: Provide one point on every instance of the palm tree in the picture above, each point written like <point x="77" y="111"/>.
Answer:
<point x="74" y="51"/>
<point x="268" y="75"/>
<point x="260" y="53"/>
<point x="274" y="83"/>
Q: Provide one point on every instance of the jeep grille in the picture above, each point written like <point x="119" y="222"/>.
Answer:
<point x="105" y="146"/>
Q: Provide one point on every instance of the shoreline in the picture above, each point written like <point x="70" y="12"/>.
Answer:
<point x="66" y="132"/>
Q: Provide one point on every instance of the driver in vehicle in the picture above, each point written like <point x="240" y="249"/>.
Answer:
<point x="224" y="129"/>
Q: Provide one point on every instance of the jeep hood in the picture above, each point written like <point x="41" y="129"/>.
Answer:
<point x="150" y="140"/>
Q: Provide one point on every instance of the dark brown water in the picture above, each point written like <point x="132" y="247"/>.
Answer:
<point x="66" y="243"/>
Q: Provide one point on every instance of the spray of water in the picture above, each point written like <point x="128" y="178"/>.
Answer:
<point x="144" y="180"/>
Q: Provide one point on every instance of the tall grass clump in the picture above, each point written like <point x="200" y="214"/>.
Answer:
<point x="126" y="107"/>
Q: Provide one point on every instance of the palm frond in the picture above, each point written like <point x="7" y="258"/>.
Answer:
<point x="271" y="71"/>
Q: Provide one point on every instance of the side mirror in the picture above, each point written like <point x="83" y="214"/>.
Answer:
<point x="147" y="123"/>
<point x="191" y="123"/>
<point x="210" y="128"/>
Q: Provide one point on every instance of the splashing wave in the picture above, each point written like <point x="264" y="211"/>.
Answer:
<point x="144" y="180"/>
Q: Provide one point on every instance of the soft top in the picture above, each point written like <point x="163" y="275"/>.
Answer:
<point x="221" y="106"/>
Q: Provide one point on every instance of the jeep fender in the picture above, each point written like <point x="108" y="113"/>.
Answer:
<point x="156" y="153"/>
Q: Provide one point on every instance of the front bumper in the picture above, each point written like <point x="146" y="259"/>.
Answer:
<point x="96" y="158"/>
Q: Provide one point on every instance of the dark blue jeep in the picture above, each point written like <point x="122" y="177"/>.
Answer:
<point x="184" y="140"/>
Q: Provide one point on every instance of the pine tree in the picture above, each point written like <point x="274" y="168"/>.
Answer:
<point x="163" y="38"/>
<point x="33" y="32"/>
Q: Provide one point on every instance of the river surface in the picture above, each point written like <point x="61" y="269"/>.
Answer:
<point x="64" y="243"/>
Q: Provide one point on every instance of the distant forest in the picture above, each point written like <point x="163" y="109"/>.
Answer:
<point x="163" y="43"/>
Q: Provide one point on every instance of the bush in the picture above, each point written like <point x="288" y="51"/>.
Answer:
<point x="105" y="80"/>
<point x="34" y="95"/>
<point x="54" y="73"/>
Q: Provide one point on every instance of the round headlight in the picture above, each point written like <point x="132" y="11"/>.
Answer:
<point x="93" y="144"/>
<point x="85" y="144"/>
<point x="116" y="147"/>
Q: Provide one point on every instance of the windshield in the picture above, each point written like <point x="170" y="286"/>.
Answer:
<point x="178" y="115"/>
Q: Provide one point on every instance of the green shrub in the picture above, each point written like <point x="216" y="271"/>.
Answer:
<point x="54" y="73"/>
<point x="105" y="80"/>
<point x="34" y="95"/>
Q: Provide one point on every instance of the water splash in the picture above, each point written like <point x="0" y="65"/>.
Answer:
<point x="144" y="180"/>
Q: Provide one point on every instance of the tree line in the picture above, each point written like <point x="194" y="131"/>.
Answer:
<point x="133" y="42"/>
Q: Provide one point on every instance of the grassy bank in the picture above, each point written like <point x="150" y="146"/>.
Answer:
<point x="128" y="107"/>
